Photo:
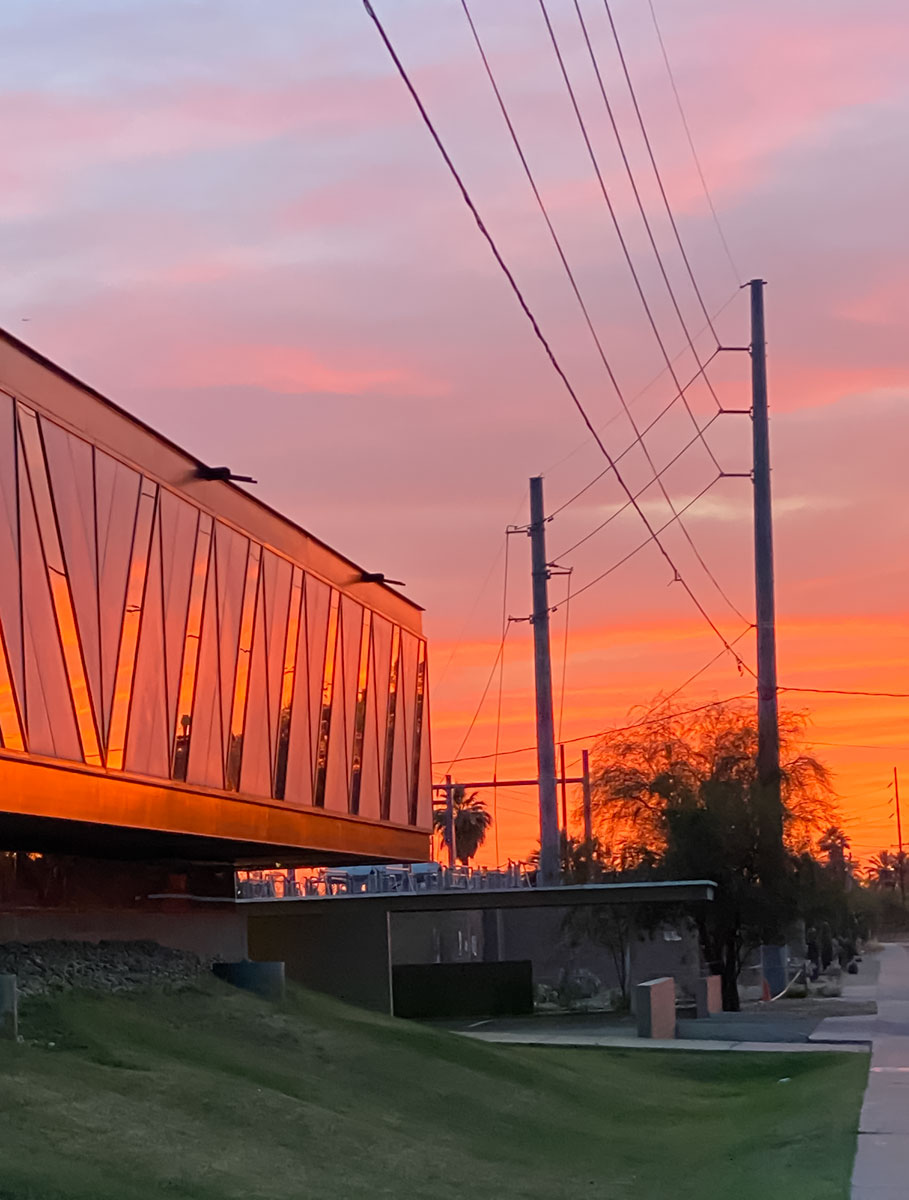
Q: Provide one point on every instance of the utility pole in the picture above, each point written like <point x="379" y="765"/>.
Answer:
<point x="550" y="867"/>
<point x="449" y="821"/>
<point x="564" y="791"/>
<point x="588" y="813"/>
<point x="768" y="753"/>
<point x="899" y="836"/>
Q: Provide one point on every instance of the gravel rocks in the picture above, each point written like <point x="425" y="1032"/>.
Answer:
<point x="56" y="966"/>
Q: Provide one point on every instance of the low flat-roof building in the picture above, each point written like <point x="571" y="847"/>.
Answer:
<point x="183" y="671"/>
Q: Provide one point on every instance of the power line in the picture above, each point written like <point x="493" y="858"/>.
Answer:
<point x="694" y="154"/>
<point x="613" y="216"/>
<point x="638" y="494"/>
<point x="473" y="719"/>
<point x="528" y="312"/>
<point x="646" y="388"/>
<point x="564" y="653"/>
<point x="618" y="458"/>
<point x="636" y="192"/>
<point x="653" y="163"/>
<point x="495" y="791"/>
<point x="586" y="312"/>
<point x="642" y="545"/>
<point x="589" y="737"/>
<point x="640" y="290"/>
<point x="846" y="692"/>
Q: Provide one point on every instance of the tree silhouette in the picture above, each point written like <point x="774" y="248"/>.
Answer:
<point x="472" y="820"/>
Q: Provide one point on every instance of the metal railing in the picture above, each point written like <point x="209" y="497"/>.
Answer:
<point x="323" y="883"/>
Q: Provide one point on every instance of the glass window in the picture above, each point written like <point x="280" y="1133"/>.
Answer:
<point x="255" y="766"/>
<point x="392" y="732"/>
<point x="288" y="687"/>
<point x="231" y="561"/>
<point x="327" y="697"/>
<point x="70" y="463"/>
<point x="359" y="724"/>
<point x="369" y="774"/>
<point x="202" y="555"/>
<point x="241" y="679"/>
<point x="205" y="764"/>
<point x="397" y="809"/>
<point x="11" y="667"/>
<point x="276" y="582"/>
<point x="417" y="735"/>
<point x="50" y="719"/>
<point x="408" y="688"/>
<point x="61" y="595"/>
<point x="317" y="602"/>
<point x="116" y="500"/>
<point x="132" y="618"/>
<point x="147" y="741"/>
<point x="178" y="524"/>
<point x="424" y="794"/>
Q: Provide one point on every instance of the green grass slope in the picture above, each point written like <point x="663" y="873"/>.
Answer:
<point x="213" y="1094"/>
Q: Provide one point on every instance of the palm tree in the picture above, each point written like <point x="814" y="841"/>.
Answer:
<point x="884" y="869"/>
<point x="834" y="843"/>
<point x="471" y="823"/>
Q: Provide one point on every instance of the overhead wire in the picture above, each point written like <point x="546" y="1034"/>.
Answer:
<point x="656" y="170"/>
<point x="564" y="653"/>
<point x="588" y="737"/>
<point x="639" y="439"/>
<point x="643" y="545"/>
<point x="640" y="290"/>
<point x="529" y="314"/>
<point x="637" y="195"/>
<point x="691" y="146"/>
<point x="717" y="312"/>
<point x="638" y="494"/>
<point x="473" y="719"/>
<point x="631" y="446"/>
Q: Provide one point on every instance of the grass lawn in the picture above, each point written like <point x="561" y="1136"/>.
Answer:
<point x="212" y="1094"/>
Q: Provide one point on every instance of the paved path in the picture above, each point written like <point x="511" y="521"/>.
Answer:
<point x="545" y="1037"/>
<point x="881" y="1170"/>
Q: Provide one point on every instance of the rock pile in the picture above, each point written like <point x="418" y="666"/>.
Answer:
<point x="55" y="966"/>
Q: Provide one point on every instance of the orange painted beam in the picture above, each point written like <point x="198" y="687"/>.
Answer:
<point x="51" y="790"/>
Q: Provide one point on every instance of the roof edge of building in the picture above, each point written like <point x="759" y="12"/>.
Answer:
<point x="49" y="365"/>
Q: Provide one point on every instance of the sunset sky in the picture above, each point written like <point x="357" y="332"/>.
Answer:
<point x="229" y="218"/>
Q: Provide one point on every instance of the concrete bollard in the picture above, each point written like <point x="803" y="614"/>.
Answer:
<point x="655" y="1008"/>
<point x="266" y="979"/>
<point x="708" y="996"/>
<point x="9" y="1008"/>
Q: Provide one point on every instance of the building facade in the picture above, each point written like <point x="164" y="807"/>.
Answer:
<point x="182" y="670"/>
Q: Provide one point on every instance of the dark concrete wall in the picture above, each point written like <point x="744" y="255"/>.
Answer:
<point x="213" y="931"/>
<point x="339" y="948"/>
<point x="437" y="937"/>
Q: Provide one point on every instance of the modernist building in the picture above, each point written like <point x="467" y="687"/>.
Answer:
<point x="183" y="671"/>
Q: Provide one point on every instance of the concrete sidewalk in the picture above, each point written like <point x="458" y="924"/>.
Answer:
<point x="544" y="1037"/>
<point x="881" y="1170"/>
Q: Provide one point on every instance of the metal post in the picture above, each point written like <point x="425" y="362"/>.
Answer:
<point x="899" y="836"/>
<point x="450" y="821"/>
<point x="588" y="813"/>
<point x="549" y="815"/>
<point x="768" y="752"/>
<point x="564" y="791"/>
<point x="9" y="1008"/>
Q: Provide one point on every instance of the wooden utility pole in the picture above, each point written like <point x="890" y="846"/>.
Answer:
<point x="550" y="867"/>
<point x="588" y="812"/>
<point x="564" y="790"/>
<point x="768" y="753"/>
<point x="901" y="874"/>
<point x="450" y="821"/>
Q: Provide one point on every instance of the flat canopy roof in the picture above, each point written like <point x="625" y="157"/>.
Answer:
<point x="672" y="891"/>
